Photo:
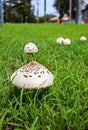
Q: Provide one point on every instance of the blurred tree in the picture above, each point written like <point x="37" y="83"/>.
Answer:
<point x="48" y="16"/>
<point x="7" y="10"/>
<point x="18" y="11"/>
<point x="62" y="7"/>
<point x="23" y="7"/>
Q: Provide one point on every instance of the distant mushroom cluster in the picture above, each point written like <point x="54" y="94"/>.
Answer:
<point x="61" y="40"/>
<point x="33" y="74"/>
<point x="67" y="41"/>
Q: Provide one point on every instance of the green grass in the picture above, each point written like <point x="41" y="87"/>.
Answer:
<point x="64" y="105"/>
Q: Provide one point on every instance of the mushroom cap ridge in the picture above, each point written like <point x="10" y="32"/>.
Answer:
<point x="32" y="75"/>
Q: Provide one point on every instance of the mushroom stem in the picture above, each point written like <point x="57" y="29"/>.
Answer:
<point x="30" y="57"/>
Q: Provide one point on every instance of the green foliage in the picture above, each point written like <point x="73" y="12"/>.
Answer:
<point x="18" y="11"/>
<point x="62" y="106"/>
<point x="62" y="7"/>
<point x="48" y="16"/>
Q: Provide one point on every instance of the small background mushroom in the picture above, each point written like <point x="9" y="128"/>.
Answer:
<point x="67" y="41"/>
<point x="30" y="48"/>
<point x="83" y="38"/>
<point x="60" y="40"/>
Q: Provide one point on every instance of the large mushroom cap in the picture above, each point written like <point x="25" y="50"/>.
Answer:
<point x="83" y="38"/>
<point x="60" y="40"/>
<point x="30" y="48"/>
<point x="32" y="75"/>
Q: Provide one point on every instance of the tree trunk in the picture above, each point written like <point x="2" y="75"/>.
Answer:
<point x="24" y="18"/>
<point x="78" y="11"/>
<point x="1" y="13"/>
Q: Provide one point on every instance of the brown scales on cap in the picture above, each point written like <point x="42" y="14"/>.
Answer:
<point x="32" y="67"/>
<point x="32" y="63"/>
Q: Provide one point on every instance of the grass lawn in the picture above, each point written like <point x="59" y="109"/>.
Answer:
<point x="64" y="105"/>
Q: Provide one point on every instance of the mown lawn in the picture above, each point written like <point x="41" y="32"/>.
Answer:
<point x="64" y="105"/>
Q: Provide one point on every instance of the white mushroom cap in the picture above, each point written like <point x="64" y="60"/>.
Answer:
<point x="60" y="40"/>
<point x="30" y="48"/>
<point x="32" y="75"/>
<point x="67" y="41"/>
<point x="83" y="38"/>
